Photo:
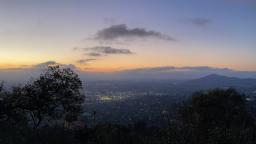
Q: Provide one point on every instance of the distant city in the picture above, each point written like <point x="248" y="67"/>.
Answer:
<point x="125" y="102"/>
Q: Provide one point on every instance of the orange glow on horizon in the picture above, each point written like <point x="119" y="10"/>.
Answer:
<point x="116" y="68"/>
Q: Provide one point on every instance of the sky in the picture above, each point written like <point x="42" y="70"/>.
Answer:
<point x="113" y="35"/>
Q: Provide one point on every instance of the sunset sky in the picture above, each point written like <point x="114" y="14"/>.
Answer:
<point x="110" y="35"/>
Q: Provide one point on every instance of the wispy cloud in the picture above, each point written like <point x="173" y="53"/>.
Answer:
<point x="94" y="54"/>
<point x="107" y="50"/>
<point x="200" y="22"/>
<point x="85" y="61"/>
<point x="122" y="31"/>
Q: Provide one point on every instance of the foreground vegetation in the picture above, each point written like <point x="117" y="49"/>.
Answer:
<point x="43" y="111"/>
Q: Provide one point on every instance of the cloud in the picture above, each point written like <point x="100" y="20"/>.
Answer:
<point x="122" y="31"/>
<point x="107" y="50"/>
<point x="169" y="69"/>
<point x="200" y="22"/>
<point x="85" y="61"/>
<point x="94" y="54"/>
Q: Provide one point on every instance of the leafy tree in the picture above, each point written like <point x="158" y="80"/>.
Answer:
<point x="218" y="116"/>
<point x="55" y="95"/>
<point x="10" y="113"/>
<point x="2" y="109"/>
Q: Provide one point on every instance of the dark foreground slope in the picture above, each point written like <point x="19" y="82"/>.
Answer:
<point x="217" y="116"/>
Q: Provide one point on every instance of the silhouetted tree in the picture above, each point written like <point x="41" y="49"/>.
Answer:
<point x="55" y="95"/>
<point x="218" y="116"/>
<point x="2" y="108"/>
<point x="10" y="112"/>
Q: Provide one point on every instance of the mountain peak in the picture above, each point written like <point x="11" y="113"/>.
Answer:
<point x="214" y="76"/>
<point x="220" y="81"/>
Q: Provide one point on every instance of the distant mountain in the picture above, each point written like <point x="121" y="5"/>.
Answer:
<point x="20" y="75"/>
<point x="167" y="73"/>
<point x="219" y="81"/>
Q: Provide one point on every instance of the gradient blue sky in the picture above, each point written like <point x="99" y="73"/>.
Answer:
<point x="216" y="33"/>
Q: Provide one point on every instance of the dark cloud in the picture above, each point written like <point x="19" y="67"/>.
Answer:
<point x="201" y="22"/>
<point x="122" y="31"/>
<point x="94" y="54"/>
<point x="107" y="50"/>
<point x="85" y="61"/>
